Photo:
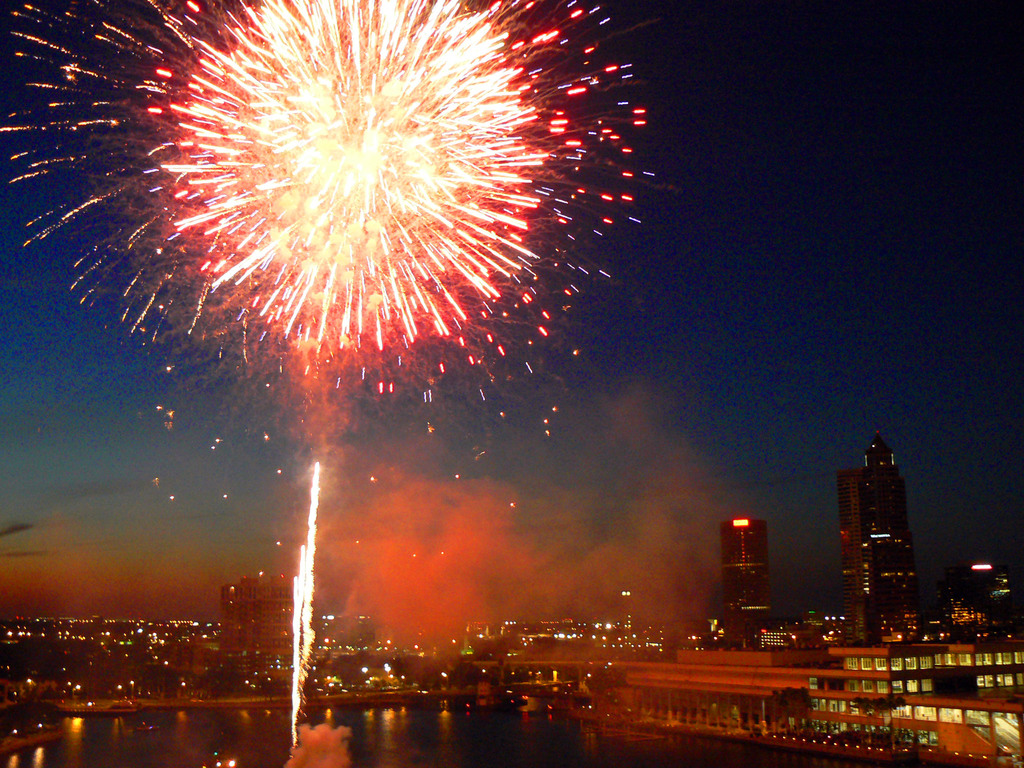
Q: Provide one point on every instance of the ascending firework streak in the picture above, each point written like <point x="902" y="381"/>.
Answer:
<point x="302" y="609"/>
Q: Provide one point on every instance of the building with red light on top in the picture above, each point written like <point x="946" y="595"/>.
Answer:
<point x="745" y="592"/>
<point x="975" y="601"/>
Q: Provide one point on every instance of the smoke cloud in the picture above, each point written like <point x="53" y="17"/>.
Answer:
<point x="321" y="747"/>
<point x="423" y="553"/>
<point x="15" y="528"/>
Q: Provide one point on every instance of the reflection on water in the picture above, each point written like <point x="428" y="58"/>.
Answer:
<point x="260" y="738"/>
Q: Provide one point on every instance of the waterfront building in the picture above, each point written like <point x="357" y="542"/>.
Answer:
<point x="880" y="597"/>
<point x="974" y="600"/>
<point x="745" y="589"/>
<point x="938" y="701"/>
<point x="256" y="622"/>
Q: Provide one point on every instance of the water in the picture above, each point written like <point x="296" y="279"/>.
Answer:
<point x="407" y="738"/>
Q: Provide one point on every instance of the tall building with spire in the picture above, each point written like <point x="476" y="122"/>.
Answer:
<point x="880" y="597"/>
<point x="745" y="593"/>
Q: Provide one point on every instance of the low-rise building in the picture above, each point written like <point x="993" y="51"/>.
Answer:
<point x="940" y="699"/>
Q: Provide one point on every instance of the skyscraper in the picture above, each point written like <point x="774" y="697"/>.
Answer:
<point x="879" y="578"/>
<point x="744" y="579"/>
<point x="974" y="600"/>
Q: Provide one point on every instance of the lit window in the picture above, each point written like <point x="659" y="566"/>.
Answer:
<point x="977" y="717"/>
<point x="950" y="715"/>
<point x="924" y="713"/>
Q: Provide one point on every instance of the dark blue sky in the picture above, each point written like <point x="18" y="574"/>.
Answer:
<point x="832" y="246"/>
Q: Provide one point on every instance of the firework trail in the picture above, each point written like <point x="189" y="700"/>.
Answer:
<point x="334" y="181"/>
<point x="302" y="609"/>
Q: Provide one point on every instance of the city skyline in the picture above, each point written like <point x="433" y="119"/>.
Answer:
<point x="830" y="248"/>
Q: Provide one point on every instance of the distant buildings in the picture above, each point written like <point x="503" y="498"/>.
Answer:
<point x="974" y="600"/>
<point x="880" y="597"/>
<point x="745" y="590"/>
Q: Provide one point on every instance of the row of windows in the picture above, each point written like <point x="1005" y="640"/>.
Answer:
<point x="906" y="712"/>
<point x="883" y="664"/>
<point x="896" y="686"/>
<point x="1005" y="679"/>
<point x="900" y="663"/>
<point x="999" y="658"/>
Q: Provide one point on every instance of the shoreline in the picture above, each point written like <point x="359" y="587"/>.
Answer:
<point x="820" y="746"/>
<point x="12" y="744"/>
<point x="615" y="727"/>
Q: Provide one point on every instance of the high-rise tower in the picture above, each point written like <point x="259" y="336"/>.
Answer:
<point x="744" y="579"/>
<point x="879" y="579"/>
<point x="974" y="600"/>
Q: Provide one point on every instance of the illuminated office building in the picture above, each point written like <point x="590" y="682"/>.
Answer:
<point x="745" y="592"/>
<point x="880" y="598"/>
<point x="974" y="600"/>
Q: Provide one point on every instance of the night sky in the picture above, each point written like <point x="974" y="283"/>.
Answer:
<point x="831" y="247"/>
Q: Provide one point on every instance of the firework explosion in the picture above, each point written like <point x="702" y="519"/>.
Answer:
<point x="338" y="180"/>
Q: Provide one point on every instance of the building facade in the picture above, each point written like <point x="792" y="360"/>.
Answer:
<point x="944" y="703"/>
<point x="745" y="588"/>
<point x="880" y="598"/>
<point x="256" y="621"/>
<point x="974" y="601"/>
